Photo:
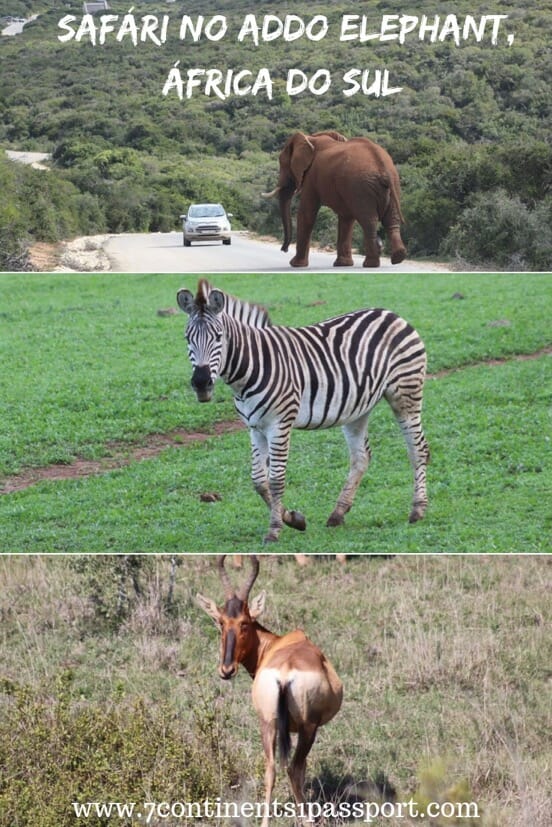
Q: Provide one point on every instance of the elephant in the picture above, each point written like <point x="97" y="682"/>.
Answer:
<point x="356" y="178"/>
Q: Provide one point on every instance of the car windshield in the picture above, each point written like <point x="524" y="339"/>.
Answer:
<point x="205" y="211"/>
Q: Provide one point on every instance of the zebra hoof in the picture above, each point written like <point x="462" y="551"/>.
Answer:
<point x="335" y="519"/>
<point x="296" y="520"/>
<point x="271" y="537"/>
<point x="417" y="513"/>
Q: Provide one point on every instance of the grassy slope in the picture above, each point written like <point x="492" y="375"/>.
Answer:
<point x="444" y="663"/>
<point x="90" y="361"/>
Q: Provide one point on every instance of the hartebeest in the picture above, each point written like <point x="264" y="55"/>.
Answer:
<point x="295" y="687"/>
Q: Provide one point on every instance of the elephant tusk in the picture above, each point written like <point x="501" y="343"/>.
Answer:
<point x="271" y="194"/>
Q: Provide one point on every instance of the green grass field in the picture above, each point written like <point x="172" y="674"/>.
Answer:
<point x="90" y="369"/>
<point x="445" y="662"/>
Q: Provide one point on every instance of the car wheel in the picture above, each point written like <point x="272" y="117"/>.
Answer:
<point x="227" y="241"/>
<point x="187" y="243"/>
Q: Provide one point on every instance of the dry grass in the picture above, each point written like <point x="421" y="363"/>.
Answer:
<point x="445" y="662"/>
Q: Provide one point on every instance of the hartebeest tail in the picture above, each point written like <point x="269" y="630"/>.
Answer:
<point x="284" y="738"/>
<point x="295" y="687"/>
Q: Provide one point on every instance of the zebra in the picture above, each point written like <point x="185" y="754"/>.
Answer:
<point x="318" y="376"/>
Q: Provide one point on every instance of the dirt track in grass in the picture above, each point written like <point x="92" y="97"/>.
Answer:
<point x="119" y="455"/>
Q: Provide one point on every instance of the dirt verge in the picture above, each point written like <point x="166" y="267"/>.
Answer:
<point x="118" y="455"/>
<point x="44" y="257"/>
<point x="81" y="255"/>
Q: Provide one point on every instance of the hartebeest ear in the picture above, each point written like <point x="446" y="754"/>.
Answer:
<point x="208" y="606"/>
<point x="185" y="300"/>
<point x="216" y="301"/>
<point x="256" y="606"/>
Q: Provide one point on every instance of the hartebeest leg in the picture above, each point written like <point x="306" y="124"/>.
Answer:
<point x="269" y="478"/>
<point x="297" y="768"/>
<point x="359" y="451"/>
<point x="406" y="403"/>
<point x="268" y="733"/>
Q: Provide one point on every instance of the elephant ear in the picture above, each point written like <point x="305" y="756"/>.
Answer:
<point x="302" y="154"/>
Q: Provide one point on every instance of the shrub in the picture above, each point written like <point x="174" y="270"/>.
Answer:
<point x="58" y="750"/>
<point x="500" y="230"/>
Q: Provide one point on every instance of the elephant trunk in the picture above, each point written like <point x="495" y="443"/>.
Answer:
<point x="284" y="196"/>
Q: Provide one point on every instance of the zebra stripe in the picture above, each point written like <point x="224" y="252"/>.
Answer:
<point x="319" y="376"/>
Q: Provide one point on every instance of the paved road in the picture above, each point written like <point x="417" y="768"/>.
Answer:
<point x="165" y="253"/>
<point x="15" y="28"/>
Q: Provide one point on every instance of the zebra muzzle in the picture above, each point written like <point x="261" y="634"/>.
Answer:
<point x="202" y="383"/>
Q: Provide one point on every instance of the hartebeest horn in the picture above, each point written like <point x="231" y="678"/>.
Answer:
<point x="226" y="585"/>
<point x="243" y="593"/>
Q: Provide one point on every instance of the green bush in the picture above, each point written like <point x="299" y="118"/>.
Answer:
<point x="58" y="749"/>
<point x="500" y="228"/>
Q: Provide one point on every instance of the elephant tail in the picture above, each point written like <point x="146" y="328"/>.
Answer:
<point x="395" y="203"/>
<point x="392" y="212"/>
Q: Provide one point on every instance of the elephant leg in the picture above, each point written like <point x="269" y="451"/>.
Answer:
<point x="391" y="220"/>
<point x="344" y="242"/>
<point x="372" y="244"/>
<point x="306" y="216"/>
<point x="398" y="250"/>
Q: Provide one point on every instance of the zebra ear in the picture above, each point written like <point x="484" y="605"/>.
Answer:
<point x="185" y="299"/>
<point x="216" y="301"/>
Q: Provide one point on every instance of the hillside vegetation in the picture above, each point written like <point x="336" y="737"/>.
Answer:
<point x="470" y="130"/>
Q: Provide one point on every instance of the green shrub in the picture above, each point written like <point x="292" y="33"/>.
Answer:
<point x="55" y="750"/>
<point x="500" y="228"/>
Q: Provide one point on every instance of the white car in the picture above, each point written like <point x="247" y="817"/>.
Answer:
<point x="206" y="222"/>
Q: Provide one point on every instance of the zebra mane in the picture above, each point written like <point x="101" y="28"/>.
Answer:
<point x="253" y="315"/>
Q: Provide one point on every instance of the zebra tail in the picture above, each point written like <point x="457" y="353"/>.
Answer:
<point x="284" y="739"/>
